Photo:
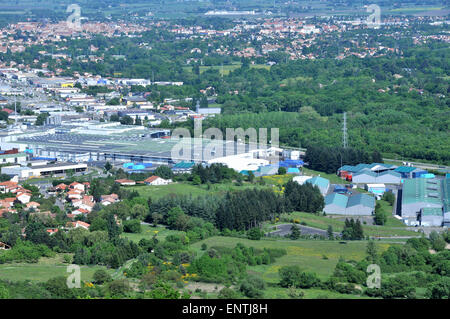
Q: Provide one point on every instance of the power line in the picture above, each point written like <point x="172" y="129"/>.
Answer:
<point x="344" y="131"/>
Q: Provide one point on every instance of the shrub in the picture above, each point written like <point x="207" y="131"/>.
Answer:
<point x="132" y="226"/>
<point x="101" y="276"/>
<point x="253" y="287"/>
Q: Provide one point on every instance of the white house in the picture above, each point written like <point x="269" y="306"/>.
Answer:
<point x="156" y="180"/>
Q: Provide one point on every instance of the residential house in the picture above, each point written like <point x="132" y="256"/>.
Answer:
<point x="125" y="182"/>
<point x="32" y="205"/>
<point x="79" y="224"/>
<point x="106" y="200"/>
<point x="77" y="186"/>
<point x="156" y="180"/>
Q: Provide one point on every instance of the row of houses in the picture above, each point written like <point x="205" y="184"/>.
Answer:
<point x="21" y="195"/>
<point x="152" y="180"/>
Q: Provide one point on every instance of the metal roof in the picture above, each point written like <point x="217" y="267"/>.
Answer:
<point x="319" y="181"/>
<point x="365" y="172"/>
<point x="429" y="211"/>
<point x="361" y="199"/>
<point x="336" y="199"/>
<point x="405" y="169"/>
<point x="13" y="155"/>
<point x="416" y="190"/>
<point x="183" y="165"/>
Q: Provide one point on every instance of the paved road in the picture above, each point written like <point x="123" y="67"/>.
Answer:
<point x="285" y="229"/>
<point x="419" y="164"/>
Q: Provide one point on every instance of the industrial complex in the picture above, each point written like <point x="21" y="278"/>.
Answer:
<point x="72" y="145"/>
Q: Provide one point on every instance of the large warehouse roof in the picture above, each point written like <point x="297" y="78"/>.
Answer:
<point x="375" y="167"/>
<point x="361" y="199"/>
<point x="421" y="190"/>
<point x="336" y="199"/>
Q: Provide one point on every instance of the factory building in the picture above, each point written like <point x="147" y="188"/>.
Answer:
<point x="377" y="189"/>
<point x="335" y="204"/>
<point x="367" y="176"/>
<point x="322" y="183"/>
<point x="357" y="205"/>
<point x="431" y="217"/>
<point x="410" y="171"/>
<point x="12" y="156"/>
<point x="348" y="171"/>
<point x="446" y="201"/>
<point x="424" y="200"/>
<point x="24" y="172"/>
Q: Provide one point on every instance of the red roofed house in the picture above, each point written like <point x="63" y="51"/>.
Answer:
<point x="80" y="211"/>
<point x="52" y="231"/>
<point x="106" y="200"/>
<point x="79" y="224"/>
<point x="7" y="202"/>
<point x="24" y="198"/>
<point x="156" y="180"/>
<point x="86" y="202"/>
<point x="74" y="194"/>
<point x="77" y="186"/>
<point x="8" y="187"/>
<point x="32" y="205"/>
<point x="61" y="187"/>
<point x="125" y="182"/>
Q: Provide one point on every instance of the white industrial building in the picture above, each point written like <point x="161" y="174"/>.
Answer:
<point x="24" y="172"/>
<point x="241" y="162"/>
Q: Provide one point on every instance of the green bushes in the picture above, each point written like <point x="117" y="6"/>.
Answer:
<point x="132" y="226"/>
<point x="101" y="276"/>
<point x="253" y="287"/>
<point x="255" y="233"/>
<point x="349" y="273"/>
<point x="352" y="230"/>
<point x="221" y="264"/>
<point x="25" y="251"/>
<point x="293" y="276"/>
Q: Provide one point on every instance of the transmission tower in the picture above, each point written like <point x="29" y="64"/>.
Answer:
<point x="344" y="131"/>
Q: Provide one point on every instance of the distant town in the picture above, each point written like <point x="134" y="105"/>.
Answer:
<point x="231" y="151"/>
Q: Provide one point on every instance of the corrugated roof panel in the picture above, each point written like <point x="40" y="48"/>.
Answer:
<point x="336" y="199"/>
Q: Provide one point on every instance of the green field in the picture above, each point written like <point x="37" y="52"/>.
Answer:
<point x="322" y="222"/>
<point x="282" y="293"/>
<point x="308" y="254"/>
<point x="148" y="232"/>
<point x="226" y="69"/>
<point x="43" y="270"/>
<point x="164" y="190"/>
<point x="156" y="192"/>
